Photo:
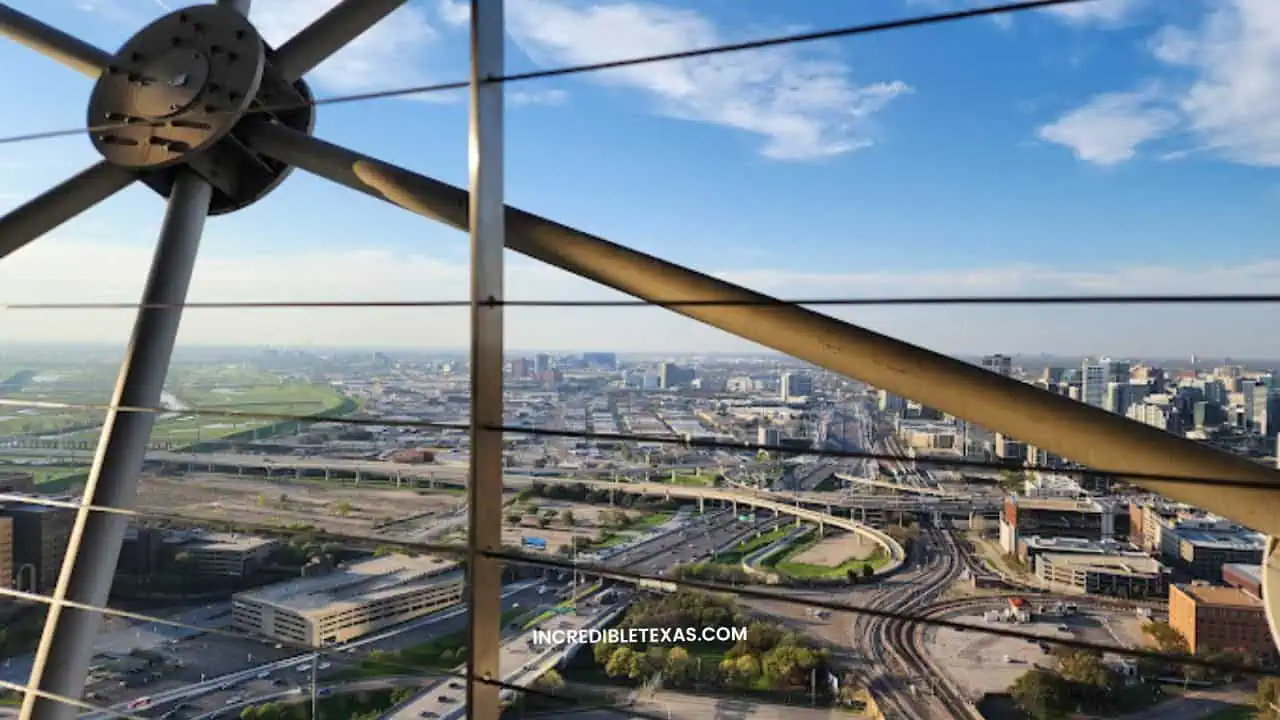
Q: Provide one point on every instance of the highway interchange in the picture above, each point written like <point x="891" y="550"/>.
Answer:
<point x="879" y="650"/>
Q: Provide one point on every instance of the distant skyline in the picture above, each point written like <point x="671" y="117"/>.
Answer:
<point x="1117" y="146"/>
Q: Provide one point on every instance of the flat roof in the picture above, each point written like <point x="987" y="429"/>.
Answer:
<point x="1130" y="564"/>
<point x="358" y="584"/>
<point x="1223" y="539"/>
<point x="230" y="542"/>
<point x="1221" y="596"/>
<point x="1252" y="572"/>
<point x="1059" y="504"/>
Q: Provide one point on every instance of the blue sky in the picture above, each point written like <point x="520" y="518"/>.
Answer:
<point x="1113" y="146"/>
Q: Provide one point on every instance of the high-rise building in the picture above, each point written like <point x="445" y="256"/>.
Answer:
<point x="600" y="360"/>
<point x="541" y="363"/>
<point x="998" y="364"/>
<point x="796" y="385"/>
<point x="671" y="376"/>
<point x="1095" y="375"/>
<point x="40" y="536"/>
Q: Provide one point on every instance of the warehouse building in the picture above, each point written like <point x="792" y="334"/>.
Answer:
<point x="350" y="602"/>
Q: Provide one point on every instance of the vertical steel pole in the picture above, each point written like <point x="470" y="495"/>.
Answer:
<point x="66" y="647"/>
<point x="488" y="237"/>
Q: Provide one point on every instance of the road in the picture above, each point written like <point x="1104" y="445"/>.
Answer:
<point x="212" y="693"/>
<point x="520" y="663"/>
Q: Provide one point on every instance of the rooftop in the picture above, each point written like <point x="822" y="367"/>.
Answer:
<point x="1134" y="564"/>
<point x="1221" y="596"/>
<point x="358" y="584"/>
<point x="1237" y="539"/>
<point x="1059" y="504"/>
<point x="230" y="542"/>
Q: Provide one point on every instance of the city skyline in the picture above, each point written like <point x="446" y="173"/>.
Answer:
<point x="850" y="189"/>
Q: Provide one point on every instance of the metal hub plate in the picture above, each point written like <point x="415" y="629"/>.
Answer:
<point x="176" y="88"/>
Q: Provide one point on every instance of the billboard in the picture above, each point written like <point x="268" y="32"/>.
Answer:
<point x="537" y="542"/>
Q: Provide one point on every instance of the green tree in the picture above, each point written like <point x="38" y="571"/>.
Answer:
<point x="550" y="680"/>
<point x="566" y="517"/>
<point x="343" y="508"/>
<point x="514" y="518"/>
<point x="1042" y="694"/>
<point x="250" y="713"/>
<point x="867" y="570"/>
<point x="679" y="666"/>
<point x="1267" y="698"/>
<point x="619" y="664"/>
<point x="543" y="521"/>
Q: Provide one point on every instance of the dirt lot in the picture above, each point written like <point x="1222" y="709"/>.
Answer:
<point x="584" y="515"/>
<point x="254" y="500"/>
<point x="832" y="551"/>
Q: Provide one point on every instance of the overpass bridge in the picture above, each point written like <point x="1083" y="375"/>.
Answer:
<point x="411" y="474"/>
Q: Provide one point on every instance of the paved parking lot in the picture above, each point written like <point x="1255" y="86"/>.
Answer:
<point x="977" y="661"/>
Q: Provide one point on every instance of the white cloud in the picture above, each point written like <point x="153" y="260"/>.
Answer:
<point x="455" y="12"/>
<point x="803" y="108"/>
<point x="1109" y="128"/>
<point x="1095" y="12"/>
<point x="61" y="270"/>
<point x="1234" y="102"/>
<point x="1227" y="100"/>
<point x="390" y="54"/>
<point x="520" y="98"/>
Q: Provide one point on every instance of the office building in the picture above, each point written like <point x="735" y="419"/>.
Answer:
<point x="40" y="536"/>
<point x="1010" y="450"/>
<point x="600" y="360"/>
<point x="541" y="363"/>
<point x="350" y="602"/>
<point x="1215" y="618"/>
<point x="767" y="435"/>
<point x="227" y="554"/>
<point x="890" y="403"/>
<point x="999" y="364"/>
<point x="671" y="376"/>
<point x="1090" y="519"/>
<point x="796" y="385"/>
<point x="15" y="483"/>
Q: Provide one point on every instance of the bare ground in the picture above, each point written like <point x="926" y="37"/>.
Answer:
<point x="833" y="551"/>
<point x="254" y="500"/>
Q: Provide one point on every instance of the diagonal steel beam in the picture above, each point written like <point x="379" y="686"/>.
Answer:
<point x="330" y="33"/>
<point x="38" y="216"/>
<point x="66" y="647"/>
<point x="1065" y="427"/>
<point x="70" y="51"/>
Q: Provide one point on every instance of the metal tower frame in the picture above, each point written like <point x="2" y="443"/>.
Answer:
<point x="198" y="107"/>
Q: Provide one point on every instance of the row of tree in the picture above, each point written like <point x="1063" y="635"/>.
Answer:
<point x="769" y="658"/>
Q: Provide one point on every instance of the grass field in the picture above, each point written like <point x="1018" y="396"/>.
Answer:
<point x="690" y="480"/>
<point x="277" y="399"/>
<point x="747" y="547"/>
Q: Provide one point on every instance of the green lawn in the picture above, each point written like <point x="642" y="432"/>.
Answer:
<point x="47" y="474"/>
<point x="690" y="480"/>
<point x="279" y="399"/>
<point x="747" y="547"/>
<point x="652" y="521"/>
<point x="442" y="653"/>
